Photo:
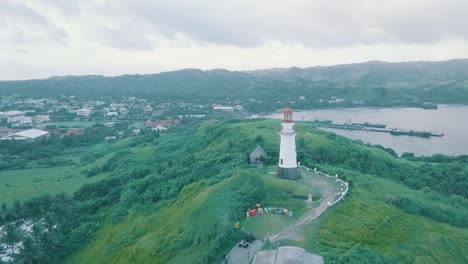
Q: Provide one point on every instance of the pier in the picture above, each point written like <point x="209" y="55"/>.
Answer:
<point x="366" y="126"/>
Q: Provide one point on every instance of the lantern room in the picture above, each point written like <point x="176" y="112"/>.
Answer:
<point x="288" y="115"/>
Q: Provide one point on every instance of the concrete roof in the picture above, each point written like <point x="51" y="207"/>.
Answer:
<point x="265" y="257"/>
<point x="287" y="255"/>
<point x="30" y="133"/>
<point x="12" y="113"/>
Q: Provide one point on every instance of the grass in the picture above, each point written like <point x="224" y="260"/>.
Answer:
<point x="279" y="194"/>
<point x="160" y="235"/>
<point x="24" y="184"/>
<point x="364" y="218"/>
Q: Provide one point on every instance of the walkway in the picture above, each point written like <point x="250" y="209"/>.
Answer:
<point x="329" y="199"/>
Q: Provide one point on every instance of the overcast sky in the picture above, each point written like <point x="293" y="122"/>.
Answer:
<point x="42" y="38"/>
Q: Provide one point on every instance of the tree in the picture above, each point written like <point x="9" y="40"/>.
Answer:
<point x="31" y="252"/>
<point x="11" y="236"/>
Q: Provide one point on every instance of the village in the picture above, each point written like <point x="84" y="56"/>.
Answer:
<point x="32" y="119"/>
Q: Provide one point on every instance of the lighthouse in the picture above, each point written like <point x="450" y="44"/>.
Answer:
<point x="287" y="163"/>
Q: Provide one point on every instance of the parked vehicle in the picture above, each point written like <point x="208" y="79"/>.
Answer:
<point x="243" y="244"/>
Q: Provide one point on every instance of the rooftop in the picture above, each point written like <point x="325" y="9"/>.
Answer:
<point x="30" y="133"/>
<point x="287" y="255"/>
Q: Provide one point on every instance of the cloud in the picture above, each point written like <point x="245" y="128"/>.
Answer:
<point x="321" y="23"/>
<point x="22" y="24"/>
<point x="56" y="37"/>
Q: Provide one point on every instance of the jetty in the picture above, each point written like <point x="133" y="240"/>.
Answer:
<point x="371" y="127"/>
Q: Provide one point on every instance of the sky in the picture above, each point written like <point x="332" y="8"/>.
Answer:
<point x="43" y="38"/>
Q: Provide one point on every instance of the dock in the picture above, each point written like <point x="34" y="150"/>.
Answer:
<point x="382" y="128"/>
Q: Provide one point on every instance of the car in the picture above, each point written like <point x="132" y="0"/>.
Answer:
<point x="243" y="244"/>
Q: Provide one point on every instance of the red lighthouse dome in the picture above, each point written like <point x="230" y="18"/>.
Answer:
<point x="288" y="115"/>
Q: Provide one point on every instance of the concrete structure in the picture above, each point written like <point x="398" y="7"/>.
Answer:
<point x="83" y="112"/>
<point x="28" y="135"/>
<point x="287" y="164"/>
<point x="223" y="108"/>
<point x="13" y="116"/>
<point x="287" y="255"/>
<point x="41" y="118"/>
<point x="257" y="154"/>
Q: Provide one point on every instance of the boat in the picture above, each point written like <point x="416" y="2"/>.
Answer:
<point x="428" y="105"/>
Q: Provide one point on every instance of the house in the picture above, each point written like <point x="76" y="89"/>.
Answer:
<point x="167" y="123"/>
<point x="26" y="121"/>
<point x="136" y="131"/>
<point x="74" y="131"/>
<point x="158" y="128"/>
<point x="110" y="138"/>
<point x="123" y="111"/>
<point x="257" y="155"/>
<point x="223" y="108"/>
<point x="83" y="112"/>
<point x="27" y="135"/>
<point x="41" y="118"/>
<point x="13" y="116"/>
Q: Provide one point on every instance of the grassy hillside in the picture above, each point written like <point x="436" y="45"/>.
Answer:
<point x="186" y="230"/>
<point x="175" y="198"/>
<point x="23" y="184"/>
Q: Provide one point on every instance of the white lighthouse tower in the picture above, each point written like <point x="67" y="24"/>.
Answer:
<point x="287" y="164"/>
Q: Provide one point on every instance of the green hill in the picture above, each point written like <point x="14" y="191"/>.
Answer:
<point x="371" y="83"/>
<point x="174" y="198"/>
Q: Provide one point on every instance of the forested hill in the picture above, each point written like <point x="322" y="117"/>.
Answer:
<point x="374" y="83"/>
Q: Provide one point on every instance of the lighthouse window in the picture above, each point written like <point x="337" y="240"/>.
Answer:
<point x="281" y="161"/>
<point x="281" y="127"/>
<point x="293" y="127"/>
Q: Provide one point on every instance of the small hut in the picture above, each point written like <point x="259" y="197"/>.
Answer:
<point x="257" y="154"/>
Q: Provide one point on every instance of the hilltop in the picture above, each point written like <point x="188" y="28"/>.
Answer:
<point x="175" y="197"/>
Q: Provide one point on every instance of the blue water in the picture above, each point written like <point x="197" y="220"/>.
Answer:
<point x="452" y="120"/>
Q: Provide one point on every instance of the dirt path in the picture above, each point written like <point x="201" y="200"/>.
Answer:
<point x="328" y="190"/>
<point x="328" y="196"/>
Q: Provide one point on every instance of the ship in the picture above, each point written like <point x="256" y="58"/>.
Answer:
<point x="428" y="105"/>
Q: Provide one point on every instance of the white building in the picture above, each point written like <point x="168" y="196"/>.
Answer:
<point x="83" y="112"/>
<point x="28" y="135"/>
<point x="223" y="108"/>
<point x="287" y="163"/>
<point x="41" y="118"/>
<point x="123" y="111"/>
<point x="159" y="128"/>
<point x="13" y="116"/>
<point x="26" y="121"/>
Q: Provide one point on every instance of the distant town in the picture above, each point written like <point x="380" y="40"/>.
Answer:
<point x="32" y="119"/>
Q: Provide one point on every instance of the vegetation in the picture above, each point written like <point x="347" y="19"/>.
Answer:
<point x="174" y="198"/>
<point x="370" y="84"/>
